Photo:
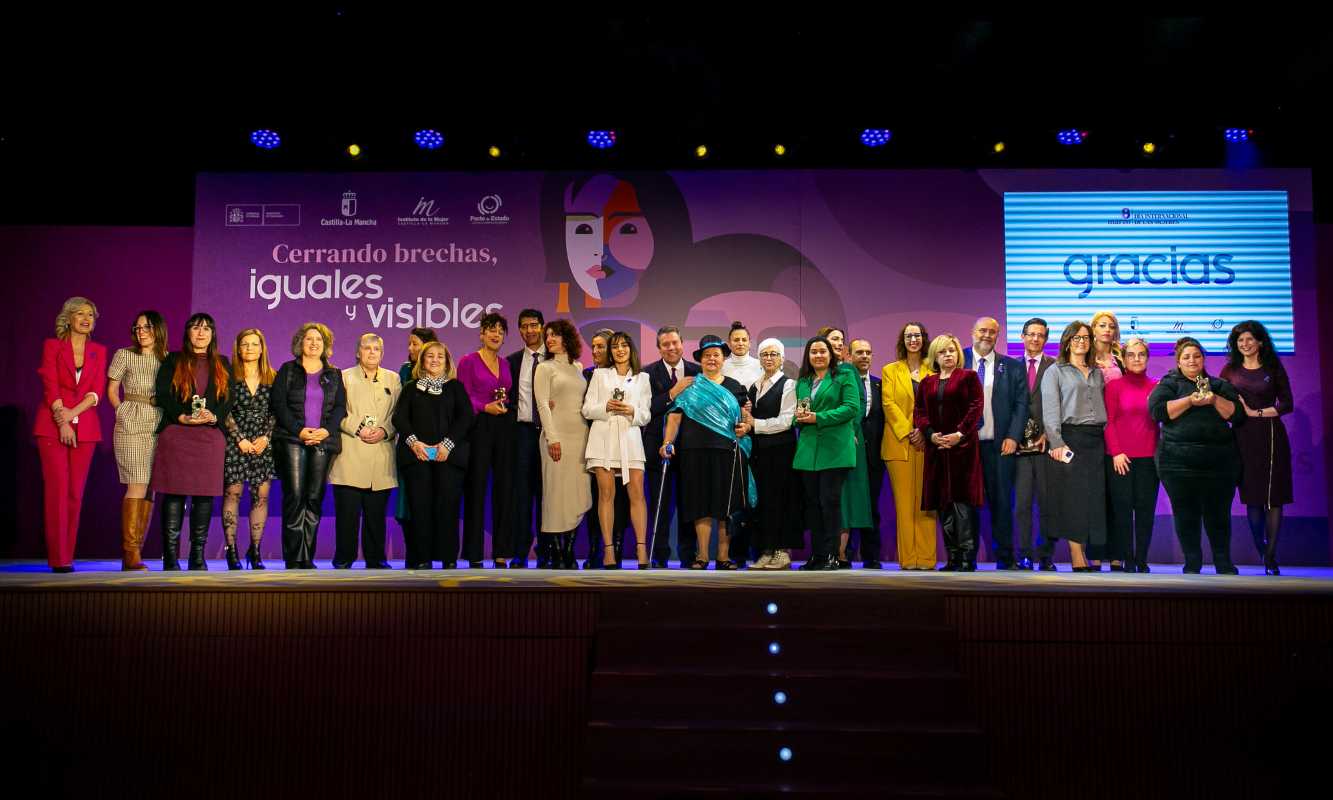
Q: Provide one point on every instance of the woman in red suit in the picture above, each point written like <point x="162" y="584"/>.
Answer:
<point x="73" y="378"/>
<point x="948" y="409"/>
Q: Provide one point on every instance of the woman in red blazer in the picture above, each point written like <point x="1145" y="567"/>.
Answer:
<point x="73" y="376"/>
<point x="948" y="411"/>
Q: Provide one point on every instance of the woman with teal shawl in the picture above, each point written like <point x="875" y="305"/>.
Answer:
<point x="708" y="428"/>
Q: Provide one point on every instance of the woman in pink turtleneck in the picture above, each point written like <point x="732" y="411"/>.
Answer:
<point x="1131" y="475"/>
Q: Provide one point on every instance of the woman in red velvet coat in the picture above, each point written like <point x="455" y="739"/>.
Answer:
<point x="67" y="429"/>
<point x="948" y="410"/>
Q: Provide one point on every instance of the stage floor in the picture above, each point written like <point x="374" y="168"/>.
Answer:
<point x="1165" y="578"/>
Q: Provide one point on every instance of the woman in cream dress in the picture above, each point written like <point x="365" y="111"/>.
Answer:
<point x="557" y="391"/>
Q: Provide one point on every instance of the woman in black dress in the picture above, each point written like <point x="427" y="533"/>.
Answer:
<point x="249" y="457"/>
<point x="1265" y="394"/>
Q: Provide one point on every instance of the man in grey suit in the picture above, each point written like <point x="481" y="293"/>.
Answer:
<point x="1030" y="473"/>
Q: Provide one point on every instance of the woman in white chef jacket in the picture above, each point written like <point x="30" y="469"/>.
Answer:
<point x="617" y="403"/>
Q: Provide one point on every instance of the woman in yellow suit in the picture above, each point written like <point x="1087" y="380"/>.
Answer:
<point x="903" y="449"/>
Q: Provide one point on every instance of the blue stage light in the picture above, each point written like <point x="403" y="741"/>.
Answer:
<point x="785" y="754"/>
<point x="876" y="137"/>
<point x="602" y="140"/>
<point x="265" y="139"/>
<point x="1237" y="134"/>
<point x="780" y="698"/>
<point x="771" y="608"/>
<point x="774" y="648"/>
<point x="1071" y="136"/>
<point x="428" y="139"/>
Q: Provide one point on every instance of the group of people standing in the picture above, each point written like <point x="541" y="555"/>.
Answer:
<point x="726" y="442"/>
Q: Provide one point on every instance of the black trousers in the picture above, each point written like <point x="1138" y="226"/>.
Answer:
<point x="1133" y="508"/>
<point x="997" y="474"/>
<point x="434" y="490"/>
<point x="527" y="488"/>
<point x="359" y="513"/>
<point x="1029" y="487"/>
<point x="686" y="546"/>
<point x="958" y="521"/>
<point x="304" y="471"/>
<point x="823" y="509"/>
<point x="1202" y="503"/>
<point x="778" y="523"/>
<point x="490" y="466"/>
<point x="871" y="545"/>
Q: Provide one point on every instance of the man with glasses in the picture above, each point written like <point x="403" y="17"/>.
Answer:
<point x="1005" y="414"/>
<point x="1030" y="466"/>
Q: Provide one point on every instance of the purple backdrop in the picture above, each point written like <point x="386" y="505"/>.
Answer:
<point x="784" y="251"/>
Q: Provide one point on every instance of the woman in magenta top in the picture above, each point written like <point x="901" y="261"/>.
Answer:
<point x="1131" y="475"/>
<point x="486" y="377"/>
<point x="67" y="429"/>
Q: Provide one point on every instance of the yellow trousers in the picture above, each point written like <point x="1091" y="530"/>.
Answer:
<point x="916" y="528"/>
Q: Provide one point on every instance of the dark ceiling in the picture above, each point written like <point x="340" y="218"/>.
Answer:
<point x="127" y="108"/>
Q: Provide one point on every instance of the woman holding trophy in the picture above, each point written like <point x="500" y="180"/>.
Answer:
<point x="1197" y="457"/>
<point x="486" y="377"/>
<point x="194" y="391"/>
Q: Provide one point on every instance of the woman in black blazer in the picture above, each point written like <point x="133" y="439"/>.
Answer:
<point x="309" y="401"/>
<point x="434" y="421"/>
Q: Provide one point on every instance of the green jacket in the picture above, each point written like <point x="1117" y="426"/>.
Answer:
<point x="831" y="441"/>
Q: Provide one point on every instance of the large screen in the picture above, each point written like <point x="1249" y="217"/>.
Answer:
<point x="1169" y="264"/>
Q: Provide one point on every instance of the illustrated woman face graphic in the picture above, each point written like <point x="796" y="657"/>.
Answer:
<point x="607" y="238"/>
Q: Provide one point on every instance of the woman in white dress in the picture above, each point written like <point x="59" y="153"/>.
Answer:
<point x="557" y="390"/>
<point x="618" y="404"/>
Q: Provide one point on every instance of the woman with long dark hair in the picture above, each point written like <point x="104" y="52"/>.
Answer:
<point x="194" y="391"/>
<point x="827" y="405"/>
<point x="1265" y="394"/>
<point x="131" y="390"/>
<point x="249" y="457"/>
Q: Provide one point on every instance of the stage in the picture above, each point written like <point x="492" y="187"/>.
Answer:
<point x="604" y="683"/>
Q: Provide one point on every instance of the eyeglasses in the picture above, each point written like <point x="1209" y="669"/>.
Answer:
<point x="770" y="354"/>
<point x="1084" y="339"/>
<point x="912" y="336"/>
<point x="142" y="329"/>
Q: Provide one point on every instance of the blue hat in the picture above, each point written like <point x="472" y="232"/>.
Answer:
<point x="711" y="341"/>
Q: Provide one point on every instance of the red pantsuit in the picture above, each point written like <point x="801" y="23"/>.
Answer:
<point x="65" y="468"/>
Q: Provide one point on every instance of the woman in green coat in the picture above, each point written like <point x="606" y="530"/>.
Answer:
<point x="827" y="403"/>
<point x="856" y="489"/>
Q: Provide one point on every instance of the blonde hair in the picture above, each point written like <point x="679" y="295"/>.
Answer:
<point x="1136" y="340"/>
<point x="419" y="371"/>
<point x="71" y="305"/>
<point x="323" y="332"/>
<point x="1117" y="351"/>
<point x="937" y="344"/>
<point x="266" y="373"/>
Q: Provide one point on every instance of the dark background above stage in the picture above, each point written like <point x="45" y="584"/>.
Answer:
<point x="108" y="116"/>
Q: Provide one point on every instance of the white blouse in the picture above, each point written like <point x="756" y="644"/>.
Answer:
<point x="615" y="438"/>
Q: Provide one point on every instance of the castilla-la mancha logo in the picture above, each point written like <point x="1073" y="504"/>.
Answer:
<point x="488" y="208"/>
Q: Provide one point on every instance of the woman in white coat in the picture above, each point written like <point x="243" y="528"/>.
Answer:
<point x="618" y="404"/>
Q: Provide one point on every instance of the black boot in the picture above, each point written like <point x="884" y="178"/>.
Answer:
<point x="173" y="515"/>
<point x="1270" y="556"/>
<point x="949" y="527"/>
<point x="967" y="541"/>
<point x="201" y="513"/>
<point x="253" y="558"/>
<point x="233" y="560"/>
<point x="544" y="550"/>
<point x="567" y="559"/>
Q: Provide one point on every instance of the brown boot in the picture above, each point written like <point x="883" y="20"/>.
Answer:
<point x="133" y="522"/>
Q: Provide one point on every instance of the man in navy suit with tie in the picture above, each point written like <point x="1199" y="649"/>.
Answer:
<point x="1005" y="412"/>
<point x="667" y="377"/>
<point x="527" y="464"/>
<point x="872" y="430"/>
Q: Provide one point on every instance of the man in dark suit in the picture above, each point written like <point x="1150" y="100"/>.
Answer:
<point x="1005" y="413"/>
<point x="527" y="463"/>
<point x="668" y="377"/>
<point x="1030" y="472"/>
<point x="872" y="430"/>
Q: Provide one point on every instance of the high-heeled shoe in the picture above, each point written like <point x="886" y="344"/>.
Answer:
<point x="1271" y="568"/>
<point x="233" y="560"/>
<point x="253" y="558"/>
<point x="641" y="554"/>
<point x="614" y="564"/>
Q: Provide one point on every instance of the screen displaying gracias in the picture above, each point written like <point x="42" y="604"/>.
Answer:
<point x="1168" y="264"/>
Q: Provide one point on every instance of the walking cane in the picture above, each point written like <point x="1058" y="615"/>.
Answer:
<point x="657" y="515"/>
